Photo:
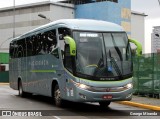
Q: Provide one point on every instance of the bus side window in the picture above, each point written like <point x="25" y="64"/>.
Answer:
<point x="34" y="41"/>
<point x="62" y="33"/>
<point x="21" y="46"/>
<point x="39" y="44"/>
<point x="12" y="49"/>
<point x="48" y="41"/>
<point x="29" y="46"/>
<point x="51" y="40"/>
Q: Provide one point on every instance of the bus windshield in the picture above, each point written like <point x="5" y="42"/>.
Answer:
<point x="103" y="55"/>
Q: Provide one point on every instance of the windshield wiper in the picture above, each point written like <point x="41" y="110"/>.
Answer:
<point x="117" y="48"/>
<point x="118" y="71"/>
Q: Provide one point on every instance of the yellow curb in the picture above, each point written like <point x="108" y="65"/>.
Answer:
<point x="4" y="83"/>
<point x="151" y="107"/>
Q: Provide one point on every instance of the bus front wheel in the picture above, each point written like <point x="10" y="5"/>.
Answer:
<point x="104" y="104"/>
<point x="57" y="96"/>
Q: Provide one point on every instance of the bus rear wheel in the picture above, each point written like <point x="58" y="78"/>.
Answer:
<point x="57" y="96"/>
<point x="104" y="104"/>
<point x="20" y="89"/>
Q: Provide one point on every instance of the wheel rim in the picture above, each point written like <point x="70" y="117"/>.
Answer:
<point x="57" y="96"/>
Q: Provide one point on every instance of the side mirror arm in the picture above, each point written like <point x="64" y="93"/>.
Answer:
<point x="139" y="46"/>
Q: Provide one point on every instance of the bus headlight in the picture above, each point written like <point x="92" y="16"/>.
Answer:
<point x="82" y="86"/>
<point x="129" y="85"/>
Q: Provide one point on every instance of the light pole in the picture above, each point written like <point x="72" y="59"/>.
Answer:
<point x="14" y="18"/>
<point x="44" y="17"/>
<point x="159" y="2"/>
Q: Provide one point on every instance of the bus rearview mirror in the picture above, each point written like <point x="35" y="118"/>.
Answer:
<point x="72" y="45"/>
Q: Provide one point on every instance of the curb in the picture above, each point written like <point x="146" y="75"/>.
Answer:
<point x="4" y="83"/>
<point x="145" y="106"/>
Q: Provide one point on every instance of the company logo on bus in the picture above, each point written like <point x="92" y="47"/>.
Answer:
<point x="39" y="63"/>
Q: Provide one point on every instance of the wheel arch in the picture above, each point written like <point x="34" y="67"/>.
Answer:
<point x="19" y="79"/>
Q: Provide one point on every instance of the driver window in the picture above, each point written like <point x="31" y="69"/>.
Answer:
<point x="62" y="33"/>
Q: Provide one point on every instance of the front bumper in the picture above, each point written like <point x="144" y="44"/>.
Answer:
<point x="89" y="96"/>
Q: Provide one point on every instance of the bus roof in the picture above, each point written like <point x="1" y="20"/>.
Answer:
<point x="81" y="24"/>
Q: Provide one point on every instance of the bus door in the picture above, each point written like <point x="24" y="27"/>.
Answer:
<point x="66" y="58"/>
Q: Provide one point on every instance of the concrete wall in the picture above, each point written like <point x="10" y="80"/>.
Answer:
<point x="118" y="13"/>
<point x="61" y="12"/>
<point x="26" y="19"/>
<point x="138" y="29"/>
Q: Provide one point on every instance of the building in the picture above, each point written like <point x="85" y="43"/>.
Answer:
<point x="117" y="11"/>
<point x="26" y="18"/>
<point x="138" y="28"/>
<point x="155" y="40"/>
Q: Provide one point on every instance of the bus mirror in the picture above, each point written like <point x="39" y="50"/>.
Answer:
<point x="139" y="46"/>
<point x="72" y="45"/>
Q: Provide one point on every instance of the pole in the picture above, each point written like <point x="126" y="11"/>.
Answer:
<point x="13" y="18"/>
<point x="159" y="2"/>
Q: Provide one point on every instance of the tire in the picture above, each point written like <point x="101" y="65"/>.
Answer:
<point x="104" y="104"/>
<point x="57" y="96"/>
<point x="20" y="90"/>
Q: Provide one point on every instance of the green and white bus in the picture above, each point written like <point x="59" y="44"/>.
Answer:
<point x="73" y="59"/>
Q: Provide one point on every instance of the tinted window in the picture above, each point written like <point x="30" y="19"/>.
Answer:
<point x="18" y="48"/>
<point x="42" y="43"/>
<point x="65" y="47"/>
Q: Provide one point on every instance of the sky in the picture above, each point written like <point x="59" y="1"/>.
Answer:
<point x="149" y="7"/>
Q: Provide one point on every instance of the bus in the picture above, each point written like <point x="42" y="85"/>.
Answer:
<point x="78" y="60"/>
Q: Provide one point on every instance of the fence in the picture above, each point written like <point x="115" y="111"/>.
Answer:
<point x="147" y="74"/>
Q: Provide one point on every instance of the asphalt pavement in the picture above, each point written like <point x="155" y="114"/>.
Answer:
<point x="10" y="101"/>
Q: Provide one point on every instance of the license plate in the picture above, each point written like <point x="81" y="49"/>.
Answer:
<point x="107" y="97"/>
